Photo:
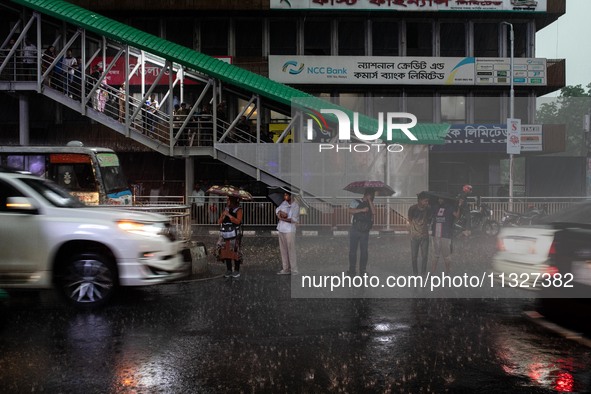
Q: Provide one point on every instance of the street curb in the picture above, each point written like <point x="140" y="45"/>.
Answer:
<point x="539" y="319"/>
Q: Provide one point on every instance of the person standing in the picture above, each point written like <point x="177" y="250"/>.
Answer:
<point x="198" y="197"/>
<point x="69" y="65"/>
<point x="363" y="212"/>
<point x="30" y="60"/>
<point x="151" y="109"/>
<point x="288" y="216"/>
<point x="229" y="243"/>
<point x="122" y="98"/>
<point x="419" y="218"/>
<point x="92" y="79"/>
<point x="46" y="60"/>
<point x="443" y="214"/>
<point x="101" y="97"/>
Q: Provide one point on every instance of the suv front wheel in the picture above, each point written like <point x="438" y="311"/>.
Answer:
<point x="87" y="280"/>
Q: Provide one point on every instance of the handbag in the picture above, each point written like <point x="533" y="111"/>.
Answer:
<point x="228" y="230"/>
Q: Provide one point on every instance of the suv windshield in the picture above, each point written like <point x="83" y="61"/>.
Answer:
<point x="54" y="194"/>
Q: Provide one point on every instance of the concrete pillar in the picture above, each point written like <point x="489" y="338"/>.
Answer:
<point x="189" y="177"/>
<point x="24" y="132"/>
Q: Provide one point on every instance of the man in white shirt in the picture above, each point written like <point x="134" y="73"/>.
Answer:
<point x="288" y="216"/>
<point x="69" y="65"/>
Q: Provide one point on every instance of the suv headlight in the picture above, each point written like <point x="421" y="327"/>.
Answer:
<point x="139" y="228"/>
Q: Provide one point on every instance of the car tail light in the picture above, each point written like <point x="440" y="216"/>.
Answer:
<point x="552" y="270"/>
<point x="500" y="245"/>
<point x="552" y="251"/>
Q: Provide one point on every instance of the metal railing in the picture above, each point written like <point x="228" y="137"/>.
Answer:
<point x="391" y="212"/>
<point x="110" y="101"/>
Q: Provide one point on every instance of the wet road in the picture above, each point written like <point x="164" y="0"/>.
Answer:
<point x="251" y="335"/>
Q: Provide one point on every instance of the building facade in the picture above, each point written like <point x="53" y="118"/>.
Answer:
<point x="445" y="61"/>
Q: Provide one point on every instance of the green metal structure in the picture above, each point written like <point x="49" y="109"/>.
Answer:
<point x="215" y="68"/>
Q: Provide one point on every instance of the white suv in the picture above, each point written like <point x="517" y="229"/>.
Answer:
<point x="50" y="239"/>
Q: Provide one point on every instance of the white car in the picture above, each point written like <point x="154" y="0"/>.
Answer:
<point x="522" y="255"/>
<point x="525" y="253"/>
<point x="50" y="239"/>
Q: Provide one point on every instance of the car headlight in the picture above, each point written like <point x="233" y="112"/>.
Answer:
<point x="139" y="228"/>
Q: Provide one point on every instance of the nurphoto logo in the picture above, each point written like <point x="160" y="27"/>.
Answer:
<point x="388" y="121"/>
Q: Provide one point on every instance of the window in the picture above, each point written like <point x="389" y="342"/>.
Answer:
<point x="249" y="37"/>
<point x="180" y="31"/>
<point x="521" y="108"/>
<point x="214" y="37"/>
<point x="419" y="39"/>
<point x="148" y="25"/>
<point x="384" y="104"/>
<point x="384" y="37"/>
<point x="486" y="40"/>
<point x="351" y="38"/>
<point x="421" y="106"/>
<point x="283" y="37"/>
<point x="353" y="101"/>
<point x="452" y="39"/>
<point x="520" y="43"/>
<point x="487" y="109"/>
<point x="453" y="109"/>
<point x="317" y="37"/>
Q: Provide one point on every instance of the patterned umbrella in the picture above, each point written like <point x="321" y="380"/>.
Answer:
<point x="230" y="191"/>
<point x="380" y="187"/>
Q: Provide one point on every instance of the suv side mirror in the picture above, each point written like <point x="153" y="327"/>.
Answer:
<point x="21" y="204"/>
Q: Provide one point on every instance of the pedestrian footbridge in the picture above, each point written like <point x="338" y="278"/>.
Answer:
<point x="120" y="67"/>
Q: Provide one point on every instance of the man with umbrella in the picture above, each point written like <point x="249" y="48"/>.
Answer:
<point x="363" y="212"/>
<point x="288" y="216"/>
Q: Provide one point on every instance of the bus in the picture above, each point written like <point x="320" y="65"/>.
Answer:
<point x="93" y="175"/>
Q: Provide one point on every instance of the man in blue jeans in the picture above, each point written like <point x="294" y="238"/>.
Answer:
<point x="363" y="212"/>
<point x="419" y="217"/>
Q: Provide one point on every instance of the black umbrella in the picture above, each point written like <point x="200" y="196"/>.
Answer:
<point x="276" y="194"/>
<point x="443" y="195"/>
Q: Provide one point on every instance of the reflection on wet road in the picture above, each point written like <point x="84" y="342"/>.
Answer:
<point x="249" y="335"/>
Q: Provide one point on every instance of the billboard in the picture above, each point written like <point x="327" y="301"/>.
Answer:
<point x="392" y="70"/>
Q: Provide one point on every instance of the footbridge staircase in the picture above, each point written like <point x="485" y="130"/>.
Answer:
<point x="120" y="67"/>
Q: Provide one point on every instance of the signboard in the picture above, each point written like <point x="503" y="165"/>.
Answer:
<point x="531" y="138"/>
<point x="384" y="70"/>
<point x="496" y="71"/>
<point x="413" y="5"/>
<point x="378" y="70"/>
<point x="116" y="75"/>
<point x="513" y="136"/>
<point x="474" y="138"/>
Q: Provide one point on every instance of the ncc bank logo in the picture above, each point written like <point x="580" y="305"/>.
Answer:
<point x="293" y="67"/>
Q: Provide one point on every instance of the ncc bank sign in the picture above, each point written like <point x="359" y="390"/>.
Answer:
<point x="294" y="67"/>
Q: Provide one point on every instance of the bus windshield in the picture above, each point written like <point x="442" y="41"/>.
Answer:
<point x="112" y="174"/>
